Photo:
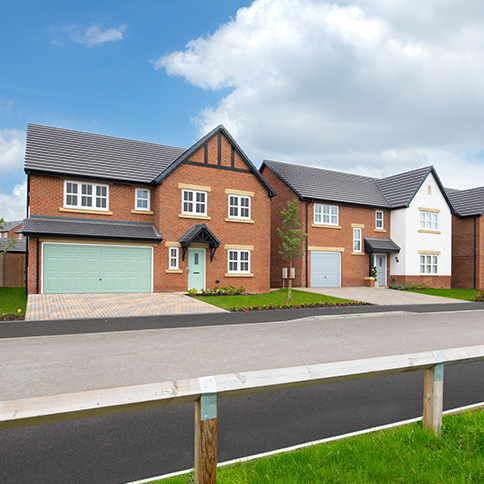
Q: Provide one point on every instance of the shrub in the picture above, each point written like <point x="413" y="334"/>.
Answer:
<point x="241" y="290"/>
<point x="193" y="292"/>
<point x="478" y="296"/>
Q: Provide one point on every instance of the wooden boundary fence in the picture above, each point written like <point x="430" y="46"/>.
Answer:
<point x="204" y="392"/>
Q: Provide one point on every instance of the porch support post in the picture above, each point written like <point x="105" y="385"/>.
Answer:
<point x="434" y="395"/>
<point x="206" y="433"/>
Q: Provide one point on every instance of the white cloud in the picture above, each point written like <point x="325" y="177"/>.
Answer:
<point x="370" y="85"/>
<point x="12" y="150"/>
<point x="94" y="35"/>
<point x="13" y="206"/>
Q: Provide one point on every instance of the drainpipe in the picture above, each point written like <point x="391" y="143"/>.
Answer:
<point x="27" y="240"/>
<point x="307" y="251"/>
<point x="475" y="252"/>
<point x="37" y="292"/>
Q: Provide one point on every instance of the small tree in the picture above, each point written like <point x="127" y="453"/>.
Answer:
<point x="292" y="237"/>
<point x="11" y="242"/>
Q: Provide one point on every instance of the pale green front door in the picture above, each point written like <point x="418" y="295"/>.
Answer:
<point x="89" y="268"/>
<point x="196" y="269"/>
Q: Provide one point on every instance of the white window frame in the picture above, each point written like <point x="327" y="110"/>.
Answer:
<point x="173" y="258"/>
<point x="237" y="207"/>
<point x="326" y="214"/>
<point x="234" y="265"/>
<point x="357" y="240"/>
<point x="428" y="220"/>
<point x="194" y="202"/>
<point x="379" y="220"/>
<point x="137" y="199"/>
<point x="429" y="264"/>
<point x="93" y="196"/>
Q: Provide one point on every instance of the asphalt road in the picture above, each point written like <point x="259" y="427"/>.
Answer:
<point x="122" y="448"/>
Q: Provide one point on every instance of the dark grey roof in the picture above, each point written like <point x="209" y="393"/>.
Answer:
<point x="75" y="153"/>
<point x="377" y="244"/>
<point x="395" y="191"/>
<point x="328" y="185"/>
<point x="199" y="232"/>
<point x="400" y="189"/>
<point x="11" y="225"/>
<point x="20" y="245"/>
<point x="467" y="203"/>
<point x="220" y="128"/>
<point x="90" y="228"/>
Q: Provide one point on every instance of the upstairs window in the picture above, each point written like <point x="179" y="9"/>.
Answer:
<point x="88" y="196"/>
<point x="326" y="214"/>
<point x="379" y="220"/>
<point x="239" y="207"/>
<point x="429" y="220"/>
<point x="142" y="200"/>
<point x="194" y="202"/>
<point x="357" y="240"/>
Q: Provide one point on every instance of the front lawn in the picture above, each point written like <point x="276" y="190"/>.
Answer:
<point x="12" y="299"/>
<point x="407" y="454"/>
<point x="276" y="298"/>
<point x="464" y="294"/>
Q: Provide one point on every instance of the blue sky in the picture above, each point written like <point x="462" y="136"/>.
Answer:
<point x="370" y="87"/>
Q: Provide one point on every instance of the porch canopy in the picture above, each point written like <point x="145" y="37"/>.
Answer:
<point x="381" y="245"/>
<point x="202" y="234"/>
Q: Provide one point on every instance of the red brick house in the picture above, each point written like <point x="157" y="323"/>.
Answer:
<point x="116" y="215"/>
<point x="356" y="223"/>
<point x="468" y="238"/>
<point x="11" y="230"/>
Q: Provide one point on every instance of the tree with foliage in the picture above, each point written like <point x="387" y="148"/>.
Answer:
<point x="292" y="237"/>
<point x="11" y="242"/>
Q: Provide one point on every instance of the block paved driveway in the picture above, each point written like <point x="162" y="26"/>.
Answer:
<point x="381" y="296"/>
<point x="77" y="306"/>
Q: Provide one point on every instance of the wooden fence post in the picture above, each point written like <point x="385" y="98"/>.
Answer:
<point x="206" y="433"/>
<point x="434" y="395"/>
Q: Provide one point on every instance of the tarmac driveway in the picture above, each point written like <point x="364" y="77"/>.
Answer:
<point x="380" y="296"/>
<point x="77" y="306"/>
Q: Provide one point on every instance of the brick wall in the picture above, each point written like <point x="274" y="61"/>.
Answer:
<point x="278" y="203"/>
<point x="439" y="282"/>
<point x="464" y="260"/>
<point x="256" y="234"/>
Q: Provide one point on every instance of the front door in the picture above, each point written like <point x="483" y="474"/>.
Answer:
<point x="196" y="269"/>
<point x="381" y="270"/>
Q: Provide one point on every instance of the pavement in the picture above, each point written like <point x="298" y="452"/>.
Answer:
<point x="78" y="306"/>
<point x="381" y="296"/>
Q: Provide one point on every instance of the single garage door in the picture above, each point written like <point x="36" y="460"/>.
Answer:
<point x="325" y="269"/>
<point x="87" y="268"/>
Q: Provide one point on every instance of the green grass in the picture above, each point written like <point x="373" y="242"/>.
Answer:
<point x="406" y="454"/>
<point x="11" y="299"/>
<point x="464" y="294"/>
<point x="277" y="298"/>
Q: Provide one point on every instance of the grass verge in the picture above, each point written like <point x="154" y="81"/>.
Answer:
<point x="464" y="294"/>
<point x="12" y="299"/>
<point x="276" y="298"/>
<point x="406" y="454"/>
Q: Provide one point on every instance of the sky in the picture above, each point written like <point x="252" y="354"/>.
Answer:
<point x="372" y="87"/>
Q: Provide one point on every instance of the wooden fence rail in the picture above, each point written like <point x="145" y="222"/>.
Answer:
<point x="204" y="392"/>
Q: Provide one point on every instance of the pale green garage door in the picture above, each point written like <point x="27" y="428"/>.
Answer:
<point x="86" y="268"/>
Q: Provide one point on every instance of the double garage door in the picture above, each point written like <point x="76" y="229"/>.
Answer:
<point x="88" y="268"/>
<point x="325" y="269"/>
